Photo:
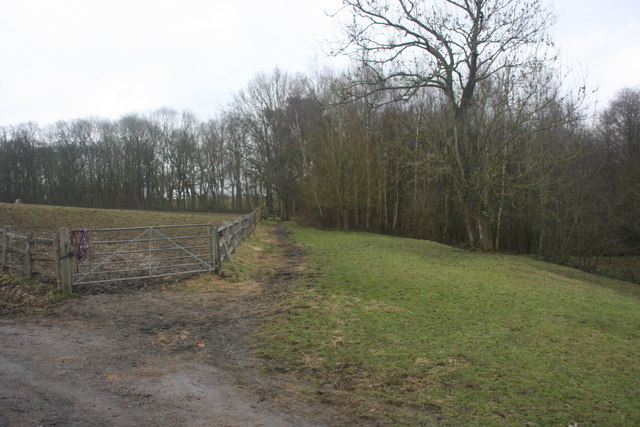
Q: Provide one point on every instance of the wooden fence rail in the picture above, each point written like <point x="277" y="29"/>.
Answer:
<point x="27" y="255"/>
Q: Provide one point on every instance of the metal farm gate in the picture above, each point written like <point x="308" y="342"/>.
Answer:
<point x="119" y="254"/>
<point x="90" y="256"/>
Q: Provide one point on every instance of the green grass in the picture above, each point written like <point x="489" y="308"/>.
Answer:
<point x="412" y="332"/>
<point x="19" y="294"/>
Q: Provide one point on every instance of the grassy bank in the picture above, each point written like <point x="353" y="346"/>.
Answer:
<point x="412" y="332"/>
<point x="21" y="294"/>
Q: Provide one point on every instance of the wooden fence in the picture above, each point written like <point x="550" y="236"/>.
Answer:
<point x="121" y="256"/>
<point x="27" y="255"/>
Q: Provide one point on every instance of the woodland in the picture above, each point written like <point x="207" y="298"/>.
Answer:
<point x="453" y="124"/>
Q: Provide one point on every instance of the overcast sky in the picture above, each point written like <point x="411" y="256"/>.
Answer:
<point x="66" y="59"/>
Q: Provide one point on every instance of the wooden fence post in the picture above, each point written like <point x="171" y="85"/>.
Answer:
<point x="216" y="248"/>
<point x="211" y="248"/>
<point x="57" y="261"/>
<point x="66" y="263"/>
<point x="226" y="240"/>
<point x="5" y="247"/>
<point x="28" y="256"/>
<point x="245" y="224"/>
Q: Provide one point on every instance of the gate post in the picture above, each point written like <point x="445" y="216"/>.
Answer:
<point x="57" y="260"/>
<point x="28" y="256"/>
<point x="215" y="249"/>
<point x="66" y="263"/>
<point x="5" y="247"/>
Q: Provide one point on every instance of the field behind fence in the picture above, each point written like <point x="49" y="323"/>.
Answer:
<point x="90" y="256"/>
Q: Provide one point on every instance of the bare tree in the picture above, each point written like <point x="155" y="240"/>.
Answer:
<point x="452" y="46"/>
<point x="265" y="110"/>
<point x="620" y="136"/>
<point x="20" y="163"/>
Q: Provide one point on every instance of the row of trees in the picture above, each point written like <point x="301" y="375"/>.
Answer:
<point x="451" y="126"/>
<point x="546" y="181"/>
<point x="167" y="160"/>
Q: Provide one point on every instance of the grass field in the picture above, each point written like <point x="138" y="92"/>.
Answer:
<point x="45" y="220"/>
<point x="416" y="333"/>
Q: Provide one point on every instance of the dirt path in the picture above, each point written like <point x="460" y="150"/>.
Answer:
<point x="165" y="355"/>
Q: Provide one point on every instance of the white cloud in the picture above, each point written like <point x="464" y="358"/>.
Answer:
<point x="75" y="58"/>
<point x="600" y="43"/>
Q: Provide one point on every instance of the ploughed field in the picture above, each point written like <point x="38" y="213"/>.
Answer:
<point x="44" y="220"/>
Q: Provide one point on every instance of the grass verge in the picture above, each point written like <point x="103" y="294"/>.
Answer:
<point x="412" y="332"/>
<point x="18" y="294"/>
<point x="254" y="260"/>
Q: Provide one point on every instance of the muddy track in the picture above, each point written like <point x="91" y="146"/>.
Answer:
<point x="160" y="355"/>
